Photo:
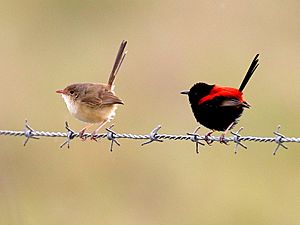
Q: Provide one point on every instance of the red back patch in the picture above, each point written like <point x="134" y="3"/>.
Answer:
<point x="222" y="92"/>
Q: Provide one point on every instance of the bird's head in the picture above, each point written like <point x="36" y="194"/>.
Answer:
<point x="71" y="94"/>
<point x="72" y="91"/>
<point x="197" y="92"/>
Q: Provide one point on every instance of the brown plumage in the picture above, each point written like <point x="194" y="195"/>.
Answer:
<point x="94" y="103"/>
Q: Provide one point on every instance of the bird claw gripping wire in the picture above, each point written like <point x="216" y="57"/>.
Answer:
<point x="153" y="136"/>
<point x="237" y="141"/>
<point x="28" y="132"/>
<point x="278" y="140"/>
<point x="111" y="135"/>
<point x="194" y="137"/>
<point x="70" y="135"/>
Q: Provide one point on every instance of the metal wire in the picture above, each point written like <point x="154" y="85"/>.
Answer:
<point x="154" y="136"/>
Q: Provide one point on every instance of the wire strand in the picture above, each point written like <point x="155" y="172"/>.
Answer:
<point x="154" y="136"/>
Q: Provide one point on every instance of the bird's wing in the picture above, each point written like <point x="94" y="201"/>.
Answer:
<point x="106" y="98"/>
<point x="92" y="101"/>
<point x="109" y="98"/>
<point x="232" y="102"/>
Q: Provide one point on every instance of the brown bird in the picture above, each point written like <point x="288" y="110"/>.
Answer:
<point x="94" y="103"/>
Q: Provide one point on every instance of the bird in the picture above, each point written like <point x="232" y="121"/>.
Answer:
<point x="219" y="108"/>
<point x="94" y="103"/>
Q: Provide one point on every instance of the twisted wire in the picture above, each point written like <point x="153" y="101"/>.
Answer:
<point x="154" y="136"/>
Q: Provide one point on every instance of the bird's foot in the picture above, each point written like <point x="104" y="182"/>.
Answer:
<point x="222" y="139"/>
<point x="81" y="135"/>
<point x="206" y="137"/>
<point x="93" y="136"/>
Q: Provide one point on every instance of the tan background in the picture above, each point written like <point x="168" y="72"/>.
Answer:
<point x="45" y="45"/>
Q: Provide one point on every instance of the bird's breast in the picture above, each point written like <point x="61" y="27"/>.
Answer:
<point x="89" y="114"/>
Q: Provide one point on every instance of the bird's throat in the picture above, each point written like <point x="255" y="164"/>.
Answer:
<point x="71" y="104"/>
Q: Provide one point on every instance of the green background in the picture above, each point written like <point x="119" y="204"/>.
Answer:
<point x="46" y="45"/>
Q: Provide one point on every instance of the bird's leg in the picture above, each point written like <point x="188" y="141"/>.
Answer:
<point x="222" y="137"/>
<point x="206" y="139"/>
<point x="82" y="131"/>
<point x="96" y="131"/>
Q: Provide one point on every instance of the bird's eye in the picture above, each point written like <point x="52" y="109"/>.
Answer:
<point x="71" y="92"/>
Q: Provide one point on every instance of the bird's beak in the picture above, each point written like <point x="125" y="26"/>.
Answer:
<point x="60" y="91"/>
<point x="185" y="92"/>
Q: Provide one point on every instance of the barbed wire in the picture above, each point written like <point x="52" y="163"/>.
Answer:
<point x="154" y="136"/>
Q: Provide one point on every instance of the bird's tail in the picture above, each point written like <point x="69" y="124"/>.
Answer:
<point x="119" y="59"/>
<point x="249" y="73"/>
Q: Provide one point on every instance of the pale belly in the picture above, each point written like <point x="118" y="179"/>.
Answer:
<point x="91" y="115"/>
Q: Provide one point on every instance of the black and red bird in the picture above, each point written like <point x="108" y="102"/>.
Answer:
<point x="218" y="108"/>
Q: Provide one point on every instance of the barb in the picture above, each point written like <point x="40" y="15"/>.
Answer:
<point x="28" y="132"/>
<point x="111" y="135"/>
<point x="278" y="140"/>
<point x="154" y="136"/>
<point x="236" y="139"/>
<point x="70" y="135"/>
<point x="195" y="138"/>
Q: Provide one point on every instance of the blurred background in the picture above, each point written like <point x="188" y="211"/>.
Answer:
<point x="46" y="45"/>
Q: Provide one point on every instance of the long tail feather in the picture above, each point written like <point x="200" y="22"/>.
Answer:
<point x="249" y="73"/>
<point x="119" y="59"/>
